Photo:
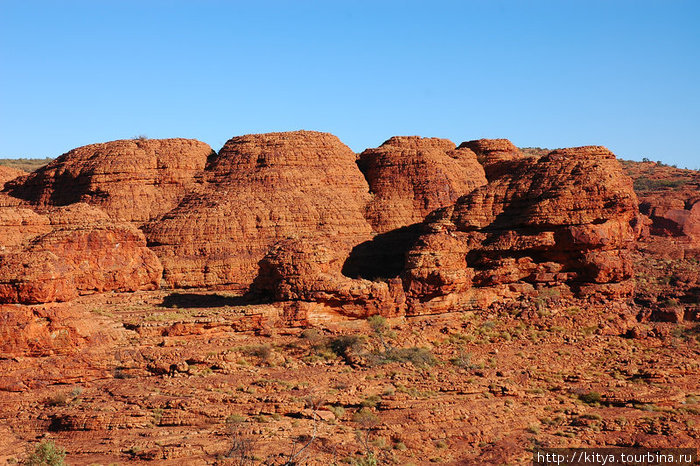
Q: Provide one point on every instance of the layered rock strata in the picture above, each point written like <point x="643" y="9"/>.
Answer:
<point x="568" y="218"/>
<point x="410" y="176"/>
<point x="7" y="174"/>
<point x="261" y="189"/>
<point x="72" y="251"/>
<point x="306" y="276"/>
<point x="132" y="180"/>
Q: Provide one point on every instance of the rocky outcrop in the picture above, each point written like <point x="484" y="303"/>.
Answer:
<point x="132" y="180"/>
<point x="306" y="275"/>
<point x="72" y="251"/>
<point x="672" y="216"/>
<point x="261" y="189"/>
<point x="493" y="154"/>
<point x="568" y="218"/>
<point x="18" y="226"/>
<point x="41" y="330"/>
<point x="669" y="199"/>
<point x="7" y="174"/>
<point x="410" y="176"/>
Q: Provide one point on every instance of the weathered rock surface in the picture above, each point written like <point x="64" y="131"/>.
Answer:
<point x="132" y="180"/>
<point x="673" y="216"/>
<point x="308" y="273"/>
<point x="493" y="154"/>
<point x="7" y="174"/>
<point x="669" y="197"/>
<point x="568" y="218"/>
<point x="71" y="251"/>
<point x="51" y="328"/>
<point x="410" y="176"/>
<point x="261" y="189"/>
<point x="19" y="225"/>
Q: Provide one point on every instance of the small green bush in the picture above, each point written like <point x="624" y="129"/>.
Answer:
<point x="419" y="357"/>
<point x="47" y="454"/>
<point x="591" y="398"/>
<point x="344" y="345"/>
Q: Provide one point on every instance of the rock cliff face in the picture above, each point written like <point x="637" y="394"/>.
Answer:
<point x="410" y="176"/>
<point x="673" y="216"/>
<point x="261" y="189"/>
<point x="132" y="180"/>
<point x="71" y="251"/>
<point x="568" y="218"/>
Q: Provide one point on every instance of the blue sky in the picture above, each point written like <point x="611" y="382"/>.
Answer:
<point x="624" y="74"/>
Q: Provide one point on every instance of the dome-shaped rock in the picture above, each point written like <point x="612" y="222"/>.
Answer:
<point x="132" y="180"/>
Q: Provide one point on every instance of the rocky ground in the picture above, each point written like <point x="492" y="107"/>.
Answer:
<point x="187" y="378"/>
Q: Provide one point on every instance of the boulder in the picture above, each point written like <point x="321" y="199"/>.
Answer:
<point x="309" y="271"/>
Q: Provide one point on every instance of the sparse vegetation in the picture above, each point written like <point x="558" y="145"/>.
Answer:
<point x="24" y="164"/>
<point x="591" y="398"/>
<point x="644" y="183"/>
<point x="46" y="454"/>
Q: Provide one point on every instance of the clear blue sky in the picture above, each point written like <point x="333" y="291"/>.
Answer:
<point x="624" y="74"/>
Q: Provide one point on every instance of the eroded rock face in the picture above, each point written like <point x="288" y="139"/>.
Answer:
<point x="308" y="271"/>
<point x="132" y="180"/>
<point x="7" y="174"/>
<point x="568" y="218"/>
<point x="261" y="189"/>
<point x="72" y="251"/>
<point x="493" y="154"/>
<point x="42" y="330"/>
<point x="18" y="226"/>
<point x="672" y="216"/>
<point x="410" y="176"/>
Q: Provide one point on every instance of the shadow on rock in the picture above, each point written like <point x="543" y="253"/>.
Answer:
<point x="194" y="300"/>
<point x="384" y="255"/>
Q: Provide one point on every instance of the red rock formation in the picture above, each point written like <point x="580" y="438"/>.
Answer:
<point x="7" y="174"/>
<point x="81" y="253"/>
<point x="567" y="218"/>
<point x="18" y="226"/>
<point x="261" y="189"/>
<point x="493" y="154"/>
<point x="308" y="272"/>
<point x="669" y="197"/>
<point x="54" y="328"/>
<point x="672" y="216"/>
<point x="132" y="180"/>
<point x="410" y="176"/>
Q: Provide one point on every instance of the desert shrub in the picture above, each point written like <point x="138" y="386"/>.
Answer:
<point x="25" y="164"/>
<point x="371" y="401"/>
<point x="338" y="411"/>
<point x="344" y="345"/>
<point x="648" y="184"/>
<point x="419" y="357"/>
<point x="64" y="398"/>
<point x="264" y="352"/>
<point x="591" y="397"/>
<point x="377" y="323"/>
<point x="464" y="361"/>
<point x="46" y="454"/>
